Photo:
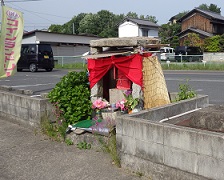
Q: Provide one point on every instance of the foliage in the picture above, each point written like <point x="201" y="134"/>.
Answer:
<point x="221" y="43"/>
<point x="193" y="39"/>
<point x="211" y="7"/>
<point x="174" y="42"/>
<point x="72" y="95"/>
<point x="68" y="141"/>
<point x="168" y="31"/>
<point x="103" y="23"/>
<point x="72" y="66"/>
<point x="196" y="66"/>
<point x="110" y="146"/>
<point x="185" y="92"/>
<point x="211" y="44"/>
<point x="130" y="102"/>
<point x="83" y="145"/>
<point x="54" y="130"/>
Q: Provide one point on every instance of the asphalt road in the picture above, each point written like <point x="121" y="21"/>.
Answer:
<point x="38" y="82"/>
<point x="203" y="82"/>
<point x="210" y="83"/>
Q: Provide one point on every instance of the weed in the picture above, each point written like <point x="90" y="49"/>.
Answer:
<point x="68" y="141"/>
<point x="54" y="131"/>
<point x="140" y="174"/>
<point x="110" y="147"/>
<point x="185" y="92"/>
<point x="83" y="145"/>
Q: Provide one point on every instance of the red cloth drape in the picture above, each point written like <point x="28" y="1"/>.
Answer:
<point x="130" y="66"/>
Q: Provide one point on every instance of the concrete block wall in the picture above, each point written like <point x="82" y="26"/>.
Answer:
<point x="24" y="109"/>
<point x="173" y="109"/>
<point x="166" y="151"/>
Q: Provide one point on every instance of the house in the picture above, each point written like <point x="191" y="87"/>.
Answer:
<point x="202" y="22"/>
<point x="131" y="27"/>
<point x="62" y="44"/>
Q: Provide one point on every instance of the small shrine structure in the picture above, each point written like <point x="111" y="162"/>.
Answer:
<point x="118" y="64"/>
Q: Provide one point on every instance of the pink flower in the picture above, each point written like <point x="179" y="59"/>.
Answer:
<point x="100" y="104"/>
<point x="121" y="104"/>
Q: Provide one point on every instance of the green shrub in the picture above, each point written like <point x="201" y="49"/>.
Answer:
<point x="185" y="92"/>
<point x="72" y="96"/>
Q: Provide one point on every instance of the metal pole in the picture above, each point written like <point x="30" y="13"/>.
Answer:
<point x="2" y="3"/>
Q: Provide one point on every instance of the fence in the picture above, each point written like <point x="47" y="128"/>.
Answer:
<point x="198" y="59"/>
<point x="63" y="60"/>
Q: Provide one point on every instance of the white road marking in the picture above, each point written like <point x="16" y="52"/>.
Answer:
<point x="32" y="85"/>
<point x="196" y="80"/>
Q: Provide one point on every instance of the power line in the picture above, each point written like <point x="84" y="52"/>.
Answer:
<point x="23" y="0"/>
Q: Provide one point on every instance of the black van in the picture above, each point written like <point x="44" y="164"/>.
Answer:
<point x="188" y="53"/>
<point x="36" y="56"/>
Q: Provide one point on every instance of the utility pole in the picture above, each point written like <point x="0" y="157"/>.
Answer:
<point x="2" y="3"/>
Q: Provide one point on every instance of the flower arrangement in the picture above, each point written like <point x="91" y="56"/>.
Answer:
<point x="130" y="102"/>
<point x="100" y="103"/>
<point x="121" y="105"/>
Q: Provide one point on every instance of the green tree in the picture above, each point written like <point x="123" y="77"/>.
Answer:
<point x="55" y="28"/>
<point x="211" y="7"/>
<point x="168" y="31"/>
<point x="174" y="41"/>
<point x="132" y="15"/>
<point x="193" y="39"/>
<point x="211" y="44"/>
<point x="89" y="24"/>
<point x="221" y="43"/>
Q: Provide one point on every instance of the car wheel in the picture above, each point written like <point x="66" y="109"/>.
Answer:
<point x="19" y="70"/>
<point x="33" y="67"/>
<point x="49" y="69"/>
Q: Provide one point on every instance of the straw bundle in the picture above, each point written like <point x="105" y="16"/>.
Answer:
<point x="155" y="89"/>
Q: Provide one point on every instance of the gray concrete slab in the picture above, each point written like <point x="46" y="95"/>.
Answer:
<point x="25" y="155"/>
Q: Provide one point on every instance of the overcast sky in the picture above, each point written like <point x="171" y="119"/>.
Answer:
<point x="41" y="14"/>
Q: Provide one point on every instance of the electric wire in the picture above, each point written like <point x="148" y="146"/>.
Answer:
<point x="38" y="14"/>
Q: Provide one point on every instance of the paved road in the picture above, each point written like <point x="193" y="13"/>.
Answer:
<point x="38" y="82"/>
<point x="26" y="156"/>
<point x="203" y="82"/>
<point x="210" y="83"/>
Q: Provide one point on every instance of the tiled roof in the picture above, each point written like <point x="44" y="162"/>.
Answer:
<point x="211" y="14"/>
<point x="142" y="22"/>
<point x="198" y="31"/>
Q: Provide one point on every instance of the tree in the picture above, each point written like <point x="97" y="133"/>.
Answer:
<point x="174" y="42"/>
<point x="221" y="43"/>
<point x="211" y="44"/>
<point x="211" y="7"/>
<point x="89" y="24"/>
<point x="55" y="28"/>
<point x="168" y="31"/>
<point x="132" y="15"/>
<point x="193" y="39"/>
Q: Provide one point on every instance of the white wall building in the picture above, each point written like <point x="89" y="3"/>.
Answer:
<point x="131" y="27"/>
<point x="62" y="44"/>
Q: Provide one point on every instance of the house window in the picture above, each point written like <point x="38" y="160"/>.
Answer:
<point x="145" y="32"/>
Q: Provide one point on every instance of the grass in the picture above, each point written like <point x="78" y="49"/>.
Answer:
<point x="71" y="66"/>
<point x="110" y="146"/>
<point x="194" y="66"/>
<point x="211" y="66"/>
<point x="53" y="130"/>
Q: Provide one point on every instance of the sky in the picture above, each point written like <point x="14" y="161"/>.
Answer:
<point x="40" y="14"/>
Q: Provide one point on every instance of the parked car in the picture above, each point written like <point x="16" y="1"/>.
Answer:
<point x="167" y="54"/>
<point x="36" y="56"/>
<point x="188" y="53"/>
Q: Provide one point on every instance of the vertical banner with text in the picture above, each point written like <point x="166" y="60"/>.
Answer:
<point x="10" y="40"/>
